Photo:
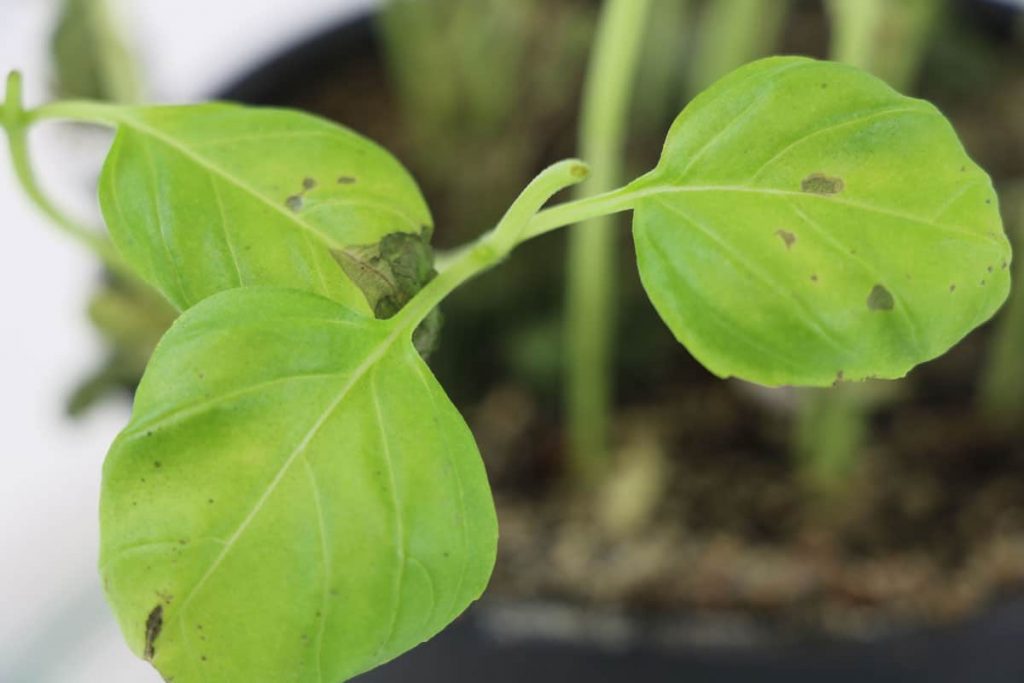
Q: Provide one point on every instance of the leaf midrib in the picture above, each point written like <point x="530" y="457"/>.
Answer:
<point x="374" y="357"/>
<point x="134" y="123"/>
<point x="657" y="190"/>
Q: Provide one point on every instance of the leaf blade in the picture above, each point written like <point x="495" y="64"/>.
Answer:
<point x="208" y="197"/>
<point x="365" y="522"/>
<point x="792" y="198"/>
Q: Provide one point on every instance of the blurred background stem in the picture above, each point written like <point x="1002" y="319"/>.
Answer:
<point x="591" y="289"/>
<point x="732" y="33"/>
<point x="889" y="40"/>
<point x="1001" y="393"/>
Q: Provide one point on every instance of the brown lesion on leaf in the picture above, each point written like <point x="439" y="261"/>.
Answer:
<point x="952" y="287"/>
<point x="390" y="273"/>
<point x="308" y="183"/>
<point x="814" y="277"/>
<point x="788" y="238"/>
<point x="819" y="183"/>
<point x="154" y="624"/>
<point x="346" y="180"/>
<point x="880" y="299"/>
<point x="294" y="203"/>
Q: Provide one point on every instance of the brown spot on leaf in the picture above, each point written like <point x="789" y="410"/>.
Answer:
<point x="154" y="623"/>
<point x="814" y="277"/>
<point x="819" y="183"/>
<point x="294" y="203"/>
<point x="346" y="180"/>
<point x="952" y="287"/>
<point x="308" y="183"/>
<point x="787" y="237"/>
<point x="880" y="299"/>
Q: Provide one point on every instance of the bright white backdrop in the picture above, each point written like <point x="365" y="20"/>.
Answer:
<point x="53" y="623"/>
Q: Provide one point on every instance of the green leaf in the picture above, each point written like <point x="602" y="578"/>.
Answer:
<point x="295" y="498"/>
<point x="210" y="197"/>
<point x="808" y="224"/>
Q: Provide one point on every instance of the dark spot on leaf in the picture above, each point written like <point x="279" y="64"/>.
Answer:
<point x="787" y="237"/>
<point x="308" y="183"/>
<point x="1003" y="266"/>
<point x="154" y="623"/>
<point x="294" y="203"/>
<point x="346" y="180"/>
<point x="202" y="657"/>
<point x="880" y="299"/>
<point x="210" y="501"/>
<point x="182" y="541"/>
<point x="814" y="277"/>
<point x="982" y="283"/>
<point x="989" y="269"/>
<point x="963" y="169"/>
<point x="156" y="464"/>
<point x="952" y="287"/>
<point x="149" y="432"/>
<point x="824" y="86"/>
<point x="819" y="183"/>
<point x="579" y="171"/>
<point x="988" y="201"/>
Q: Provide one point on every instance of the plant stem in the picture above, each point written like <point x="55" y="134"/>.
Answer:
<point x="493" y="247"/>
<point x="16" y="122"/>
<point x="732" y="33"/>
<point x="1001" y="387"/>
<point x="591" y="262"/>
<point x="886" y="38"/>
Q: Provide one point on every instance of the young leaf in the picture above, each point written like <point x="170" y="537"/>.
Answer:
<point x="210" y="197"/>
<point x="807" y="223"/>
<point x="294" y="499"/>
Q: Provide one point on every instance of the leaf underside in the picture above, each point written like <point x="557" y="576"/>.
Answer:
<point x="295" y="498"/>
<point x="808" y="224"/>
<point x="210" y="197"/>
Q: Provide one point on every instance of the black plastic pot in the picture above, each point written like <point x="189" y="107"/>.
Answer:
<point x="548" y="642"/>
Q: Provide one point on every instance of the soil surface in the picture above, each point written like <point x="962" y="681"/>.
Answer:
<point x="704" y="509"/>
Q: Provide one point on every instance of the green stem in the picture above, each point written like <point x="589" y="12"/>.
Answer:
<point x="16" y="123"/>
<point x="493" y="247"/>
<point x="1001" y="386"/>
<point x="886" y="38"/>
<point x="591" y="261"/>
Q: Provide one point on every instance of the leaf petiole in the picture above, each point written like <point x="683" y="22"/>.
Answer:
<point x="494" y="246"/>
<point x="16" y="121"/>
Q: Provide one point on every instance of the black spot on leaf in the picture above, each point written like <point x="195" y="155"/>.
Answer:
<point x="294" y="203"/>
<point x="880" y="299"/>
<point x="346" y="180"/>
<point x="308" y="183"/>
<point x="819" y="183"/>
<point x="154" y="623"/>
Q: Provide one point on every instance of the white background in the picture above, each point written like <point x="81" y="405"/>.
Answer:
<point x="54" y="625"/>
